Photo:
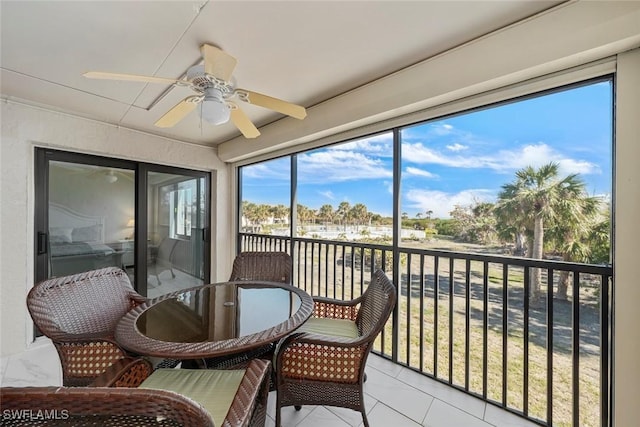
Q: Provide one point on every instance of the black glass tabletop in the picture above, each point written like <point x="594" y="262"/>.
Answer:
<point x="216" y="313"/>
<point x="214" y="320"/>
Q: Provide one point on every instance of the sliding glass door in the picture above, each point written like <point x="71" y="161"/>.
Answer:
<point x="176" y="207"/>
<point x="94" y="212"/>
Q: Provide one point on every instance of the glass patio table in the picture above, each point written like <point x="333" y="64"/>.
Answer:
<point x="214" y="320"/>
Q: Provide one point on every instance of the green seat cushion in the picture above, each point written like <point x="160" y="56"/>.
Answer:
<point x="213" y="389"/>
<point x="331" y="327"/>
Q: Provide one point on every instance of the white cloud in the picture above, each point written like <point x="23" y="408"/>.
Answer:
<point x="457" y="147"/>
<point x="389" y="186"/>
<point x="441" y="129"/>
<point x="442" y="203"/>
<point x="534" y="155"/>
<point x="328" y="194"/>
<point x="378" y="145"/>
<point x="418" y="153"/>
<point x="338" y="166"/>
<point x="411" y="171"/>
<point x="541" y="154"/>
<point x="568" y="166"/>
<point x="441" y="132"/>
<point x="275" y="170"/>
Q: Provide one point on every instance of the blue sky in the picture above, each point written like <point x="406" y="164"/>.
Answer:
<point x="453" y="161"/>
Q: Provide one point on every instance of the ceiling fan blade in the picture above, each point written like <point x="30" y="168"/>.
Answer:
<point x="271" y="103"/>
<point x="242" y="122"/>
<point x="217" y="62"/>
<point x="177" y="113"/>
<point x="128" y="77"/>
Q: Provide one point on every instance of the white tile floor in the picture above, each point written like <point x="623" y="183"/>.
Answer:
<point x="398" y="397"/>
<point x="394" y="397"/>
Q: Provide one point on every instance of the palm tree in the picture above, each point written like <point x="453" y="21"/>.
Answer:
<point x="536" y="196"/>
<point x="360" y="214"/>
<point x="343" y="212"/>
<point x="304" y="214"/>
<point x="326" y="213"/>
<point x="429" y="223"/>
<point x="513" y="222"/>
<point x="263" y="213"/>
<point x="375" y="218"/>
<point x="249" y="211"/>
<point x="576" y="225"/>
<point x="600" y="238"/>
<point x="280" y="212"/>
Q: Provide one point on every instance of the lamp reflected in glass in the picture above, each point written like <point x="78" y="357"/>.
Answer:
<point x="131" y="224"/>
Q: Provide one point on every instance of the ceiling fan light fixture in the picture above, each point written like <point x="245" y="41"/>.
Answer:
<point x="110" y="177"/>
<point x="214" y="108"/>
<point x="214" y="87"/>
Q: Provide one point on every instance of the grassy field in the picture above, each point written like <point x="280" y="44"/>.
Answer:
<point x="329" y="273"/>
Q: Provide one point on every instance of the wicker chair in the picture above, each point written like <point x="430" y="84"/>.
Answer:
<point x="233" y="397"/>
<point x="268" y="266"/>
<point x="79" y="313"/>
<point x="323" y="362"/>
<point x="161" y="258"/>
<point x="169" y="397"/>
<point x="107" y="407"/>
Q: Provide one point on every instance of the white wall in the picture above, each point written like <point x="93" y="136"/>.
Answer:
<point x="25" y="127"/>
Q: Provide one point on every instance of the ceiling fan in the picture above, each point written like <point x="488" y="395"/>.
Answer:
<point x="215" y="92"/>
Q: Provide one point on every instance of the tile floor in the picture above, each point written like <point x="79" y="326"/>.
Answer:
<point x="399" y="397"/>
<point x="395" y="397"/>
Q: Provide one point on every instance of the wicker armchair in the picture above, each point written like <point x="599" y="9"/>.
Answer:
<point x="169" y="397"/>
<point x="323" y="362"/>
<point x="268" y="266"/>
<point x="107" y="407"/>
<point x="79" y="313"/>
<point x="233" y="397"/>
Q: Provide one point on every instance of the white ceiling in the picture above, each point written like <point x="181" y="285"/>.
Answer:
<point x="302" y="51"/>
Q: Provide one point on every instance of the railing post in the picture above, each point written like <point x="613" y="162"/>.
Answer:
<point x="397" y="225"/>
<point x="606" y="338"/>
<point x="293" y="217"/>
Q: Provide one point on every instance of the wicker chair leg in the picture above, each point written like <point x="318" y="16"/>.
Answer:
<point x="365" y="421"/>
<point x="278" y="412"/>
<point x="297" y="407"/>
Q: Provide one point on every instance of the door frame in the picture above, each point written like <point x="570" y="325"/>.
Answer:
<point x="43" y="157"/>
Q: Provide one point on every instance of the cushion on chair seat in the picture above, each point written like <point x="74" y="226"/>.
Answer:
<point x="213" y="389"/>
<point x="342" y="328"/>
<point x="333" y="327"/>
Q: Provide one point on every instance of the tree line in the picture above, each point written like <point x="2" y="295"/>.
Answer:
<point x="345" y="214"/>
<point x="539" y="213"/>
